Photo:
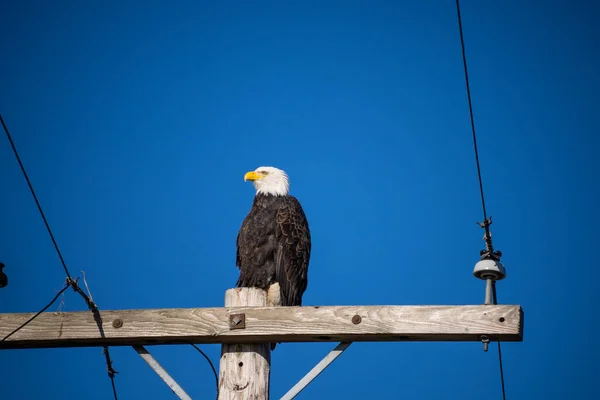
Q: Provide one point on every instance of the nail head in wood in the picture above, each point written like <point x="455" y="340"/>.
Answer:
<point x="117" y="323"/>
<point x="356" y="319"/>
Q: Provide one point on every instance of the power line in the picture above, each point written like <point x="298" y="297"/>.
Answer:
<point x="93" y="307"/>
<point x="111" y="371"/>
<point x="70" y="281"/>
<point x="211" y="365"/>
<point x="37" y="202"/>
<point x="464" y="56"/>
<point x="37" y="314"/>
<point x="486" y="222"/>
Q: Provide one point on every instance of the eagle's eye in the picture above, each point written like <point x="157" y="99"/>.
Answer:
<point x="264" y="172"/>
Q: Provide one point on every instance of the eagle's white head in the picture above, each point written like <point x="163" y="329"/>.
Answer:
<point x="269" y="180"/>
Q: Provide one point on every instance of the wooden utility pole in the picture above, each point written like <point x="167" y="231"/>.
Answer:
<point x="245" y="368"/>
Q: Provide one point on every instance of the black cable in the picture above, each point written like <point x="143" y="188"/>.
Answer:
<point x="211" y="365"/>
<point x="486" y="222"/>
<point x="38" y="313"/>
<point x="501" y="371"/>
<point x="62" y="260"/>
<point x="93" y="307"/>
<point x="111" y="372"/>
<point x="464" y="56"/>
<point x="114" y="388"/>
<point x="70" y="281"/>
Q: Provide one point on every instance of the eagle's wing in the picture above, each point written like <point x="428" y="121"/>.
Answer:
<point x="293" y="252"/>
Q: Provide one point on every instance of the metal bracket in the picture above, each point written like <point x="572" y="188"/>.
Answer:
<point x="313" y="373"/>
<point x="237" y="321"/>
<point x="161" y="372"/>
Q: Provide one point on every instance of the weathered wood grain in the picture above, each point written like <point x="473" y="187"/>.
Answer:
<point x="245" y="369"/>
<point x="267" y="325"/>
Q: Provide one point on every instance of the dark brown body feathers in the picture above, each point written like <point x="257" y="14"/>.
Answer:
<point x="273" y="245"/>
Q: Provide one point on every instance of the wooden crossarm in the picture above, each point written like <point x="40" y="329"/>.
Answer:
<point x="266" y="325"/>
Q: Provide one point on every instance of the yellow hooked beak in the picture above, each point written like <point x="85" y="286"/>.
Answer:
<point x="253" y="176"/>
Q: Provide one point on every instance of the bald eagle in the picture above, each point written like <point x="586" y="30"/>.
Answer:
<point x="273" y="243"/>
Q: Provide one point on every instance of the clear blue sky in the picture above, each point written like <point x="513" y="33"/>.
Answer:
<point x="138" y="120"/>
